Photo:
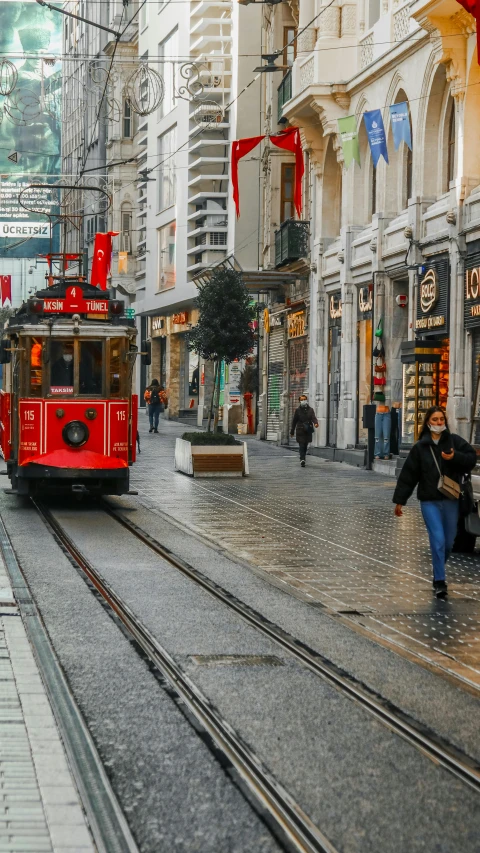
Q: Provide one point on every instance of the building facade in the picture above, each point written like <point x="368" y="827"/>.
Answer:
<point x="186" y="221"/>
<point x="391" y="249"/>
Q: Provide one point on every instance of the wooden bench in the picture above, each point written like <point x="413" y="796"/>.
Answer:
<point x="215" y="462"/>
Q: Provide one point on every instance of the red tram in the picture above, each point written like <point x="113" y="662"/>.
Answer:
<point x="68" y="419"/>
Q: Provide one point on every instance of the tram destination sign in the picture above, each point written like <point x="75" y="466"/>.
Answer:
<point x="74" y="303"/>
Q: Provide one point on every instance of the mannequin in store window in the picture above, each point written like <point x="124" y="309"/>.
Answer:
<point x="383" y="426"/>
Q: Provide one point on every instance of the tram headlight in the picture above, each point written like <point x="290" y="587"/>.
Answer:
<point x="75" y="433"/>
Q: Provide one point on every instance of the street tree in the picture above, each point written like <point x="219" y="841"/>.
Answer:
<point x="224" y="331"/>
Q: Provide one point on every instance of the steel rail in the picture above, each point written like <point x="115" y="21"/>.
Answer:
<point x="431" y="745"/>
<point x="288" y="816"/>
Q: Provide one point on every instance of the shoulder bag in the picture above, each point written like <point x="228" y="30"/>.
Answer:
<point x="446" y="486"/>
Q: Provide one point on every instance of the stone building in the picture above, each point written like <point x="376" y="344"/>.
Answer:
<point x="396" y="244"/>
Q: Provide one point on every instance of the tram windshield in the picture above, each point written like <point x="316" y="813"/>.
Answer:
<point x="76" y="365"/>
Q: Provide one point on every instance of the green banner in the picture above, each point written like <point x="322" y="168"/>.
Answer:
<point x="348" y="134"/>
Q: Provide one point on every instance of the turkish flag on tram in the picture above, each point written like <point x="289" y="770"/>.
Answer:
<point x="102" y="259"/>
<point x="473" y="6"/>
<point x="6" y="288"/>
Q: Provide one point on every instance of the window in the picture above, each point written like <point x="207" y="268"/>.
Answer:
<point x="166" y="256"/>
<point x="143" y="15"/>
<point x="36" y="368"/>
<point x="286" y="191"/>
<point x="373" y="199"/>
<point x="289" y="50"/>
<point x="126" y="232"/>
<point x="168" y="52"/>
<point x="90" y="372"/>
<point x="167" y="144"/>
<point x="451" y="146"/>
<point x="116" y="369"/>
<point x="76" y="366"/>
<point x="127" y="119"/>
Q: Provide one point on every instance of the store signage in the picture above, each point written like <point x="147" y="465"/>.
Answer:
<point x="180" y="319"/>
<point x="266" y="321"/>
<point x="365" y="301"/>
<point x="472" y="293"/>
<point x="158" y="323"/>
<point x="74" y="302"/>
<point x="432" y="297"/>
<point x="297" y="324"/>
<point x="429" y="291"/>
<point x="335" y="306"/>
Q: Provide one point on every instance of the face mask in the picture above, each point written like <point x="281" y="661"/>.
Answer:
<point x="304" y="403"/>
<point x="67" y="358"/>
<point x="436" y="429"/>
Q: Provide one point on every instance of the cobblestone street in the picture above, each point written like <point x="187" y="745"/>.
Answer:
<point x="326" y="534"/>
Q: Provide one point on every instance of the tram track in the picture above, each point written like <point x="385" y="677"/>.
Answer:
<point x="286" y="814"/>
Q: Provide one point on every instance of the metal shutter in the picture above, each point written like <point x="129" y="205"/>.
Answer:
<point x="475" y="368"/>
<point x="275" y="383"/>
<point x="298" y="372"/>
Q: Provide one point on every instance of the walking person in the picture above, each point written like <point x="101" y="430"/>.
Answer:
<point x="303" y="424"/>
<point x="437" y="453"/>
<point x="156" y="403"/>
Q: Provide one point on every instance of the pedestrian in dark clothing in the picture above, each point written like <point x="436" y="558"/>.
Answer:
<point x="157" y="400"/>
<point x="303" y="425"/>
<point x="437" y="450"/>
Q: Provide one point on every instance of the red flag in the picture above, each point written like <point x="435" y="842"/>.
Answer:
<point x="102" y="259"/>
<point x="473" y="6"/>
<point x="290" y="140"/>
<point x="6" y="288"/>
<point x="239" y="148"/>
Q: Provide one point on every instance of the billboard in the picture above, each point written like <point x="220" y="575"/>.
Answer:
<point x="30" y="127"/>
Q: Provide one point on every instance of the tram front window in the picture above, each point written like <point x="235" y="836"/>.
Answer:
<point x="35" y="389"/>
<point x="91" y="367"/>
<point x="62" y="367"/>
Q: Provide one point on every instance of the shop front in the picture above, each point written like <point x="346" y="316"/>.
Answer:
<point x="176" y="368"/>
<point x="472" y="325"/>
<point x="334" y="364"/>
<point x="364" y="356"/>
<point x="297" y="334"/>
<point x="158" y="338"/>
<point x="426" y="360"/>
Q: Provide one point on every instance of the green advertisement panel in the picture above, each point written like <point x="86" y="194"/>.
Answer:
<point x="30" y="126"/>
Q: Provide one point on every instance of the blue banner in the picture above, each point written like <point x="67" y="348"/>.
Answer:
<point x="400" y="120"/>
<point x="376" y="135"/>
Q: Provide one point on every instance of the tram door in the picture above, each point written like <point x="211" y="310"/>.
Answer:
<point x="334" y="364"/>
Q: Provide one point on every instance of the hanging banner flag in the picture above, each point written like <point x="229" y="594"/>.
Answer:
<point x="400" y="125"/>
<point x="376" y="135"/>
<point x="102" y="258"/>
<point x="349" y="137"/>
<point x="241" y="147"/>
<point x="6" y="289"/>
<point x="122" y="263"/>
<point x="290" y="141"/>
<point x="473" y="6"/>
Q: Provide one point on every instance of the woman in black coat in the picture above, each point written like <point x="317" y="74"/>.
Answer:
<point x="303" y="425"/>
<point x="437" y="448"/>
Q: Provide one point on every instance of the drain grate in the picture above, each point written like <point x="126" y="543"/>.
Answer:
<point x="236" y="660"/>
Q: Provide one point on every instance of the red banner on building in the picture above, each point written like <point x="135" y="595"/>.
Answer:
<point x="102" y="259"/>
<point x="6" y="288"/>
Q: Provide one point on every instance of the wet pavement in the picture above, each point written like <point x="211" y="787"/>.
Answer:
<point x="326" y="534"/>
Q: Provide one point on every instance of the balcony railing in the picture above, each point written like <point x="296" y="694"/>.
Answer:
<point x="284" y="93"/>
<point x="291" y="242"/>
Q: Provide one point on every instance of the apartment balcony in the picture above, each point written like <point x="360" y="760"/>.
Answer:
<point x="199" y="180"/>
<point x="203" y="24"/>
<point x="206" y="7"/>
<point x="291" y="242"/>
<point x="201" y="162"/>
<point x="284" y="94"/>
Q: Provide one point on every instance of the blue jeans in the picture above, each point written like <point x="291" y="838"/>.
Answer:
<point x="383" y="423"/>
<point x="441" y="519"/>
<point x="154" y="414"/>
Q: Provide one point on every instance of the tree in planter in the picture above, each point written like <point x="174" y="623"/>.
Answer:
<point x="224" y="331"/>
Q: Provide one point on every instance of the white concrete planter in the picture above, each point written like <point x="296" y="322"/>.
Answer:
<point x="211" y="460"/>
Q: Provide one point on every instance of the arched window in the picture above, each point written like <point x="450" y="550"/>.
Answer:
<point x="451" y="146"/>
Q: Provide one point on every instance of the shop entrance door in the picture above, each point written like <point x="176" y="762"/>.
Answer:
<point x="275" y="383"/>
<point x="334" y="368"/>
<point x="364" y="374"/>
<point x="298" y="365"/>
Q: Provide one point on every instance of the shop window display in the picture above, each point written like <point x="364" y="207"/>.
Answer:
<point x="425" y="384"/>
